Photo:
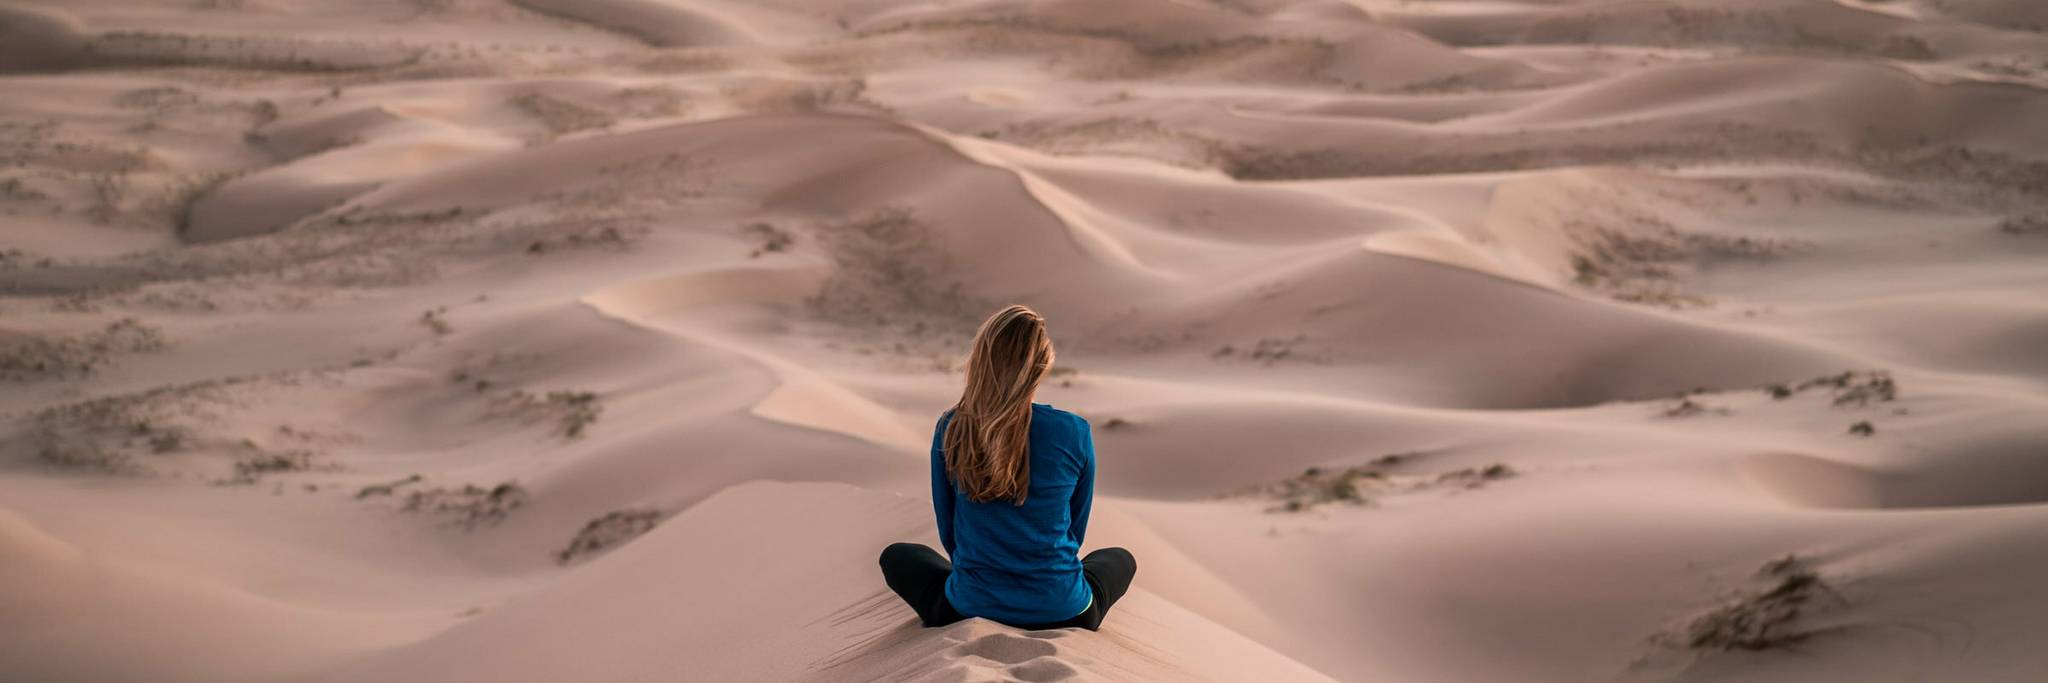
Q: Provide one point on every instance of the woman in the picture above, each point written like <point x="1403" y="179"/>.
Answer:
<point x="1012" y="481"/>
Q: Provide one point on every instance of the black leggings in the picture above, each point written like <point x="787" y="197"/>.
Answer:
<point x="918" y="575"/>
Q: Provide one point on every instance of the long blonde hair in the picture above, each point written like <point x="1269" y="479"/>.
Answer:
<point x="988" y="440"/>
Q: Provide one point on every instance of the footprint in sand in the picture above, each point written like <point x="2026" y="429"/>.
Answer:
<point x="1029" y="657"/>
<point x="1006" y="648"/>
<point x="1044" y="669"/>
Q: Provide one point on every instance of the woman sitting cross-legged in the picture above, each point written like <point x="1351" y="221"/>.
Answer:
<point x="1012" y="481"/>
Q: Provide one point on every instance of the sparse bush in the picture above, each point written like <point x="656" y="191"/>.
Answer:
<point x="471" y="505"/>
<point x="1686" y="407"/>
<point x="115" y="434"/>
<point x="651" y="102"/>
<point x="1316" y="486"/>
<point x="435" y="320"/>
<point x="167" y="442"/>
<point x="572" y="411"/>
<point x="892" y="274"/>
<point x="1392" y="459"/>
<point x="386" y="488"/>
<point x="581" y="409"/>
<point x="1876" y="386"/>
<point x="613" y="529"/>
<point x="88" y="456"/>
<point x="109" y="193"/>
<point x="609" y="237"/>
<point x="1268" y="350"/>
<point x="1764" y="619"/>
<point x="1359" y="485"/>
<point x="2035" y="224"/>
<point x="562" y="117"/>
<point x="249" y="470"/>
<point x="1850" y="388"/>
<point x="1642" y="262"/>
<point x="773" y="239"/>
<point x="30" y="356"/>
<point x="1474" y="477"/>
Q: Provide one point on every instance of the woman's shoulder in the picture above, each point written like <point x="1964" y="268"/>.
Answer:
<point x="1059" y="417"/>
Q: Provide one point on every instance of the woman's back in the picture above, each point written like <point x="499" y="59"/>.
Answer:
<point x="1012" y="482"/>
<point x="1019" y="563"/>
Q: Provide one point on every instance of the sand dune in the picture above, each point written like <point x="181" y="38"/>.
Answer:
<point x="659" y="22"/>
<point x="1561" y="340"/>
<point x="40" y="40"/>
<point x="2004" y="13"/>
<point x="843" y="628"/>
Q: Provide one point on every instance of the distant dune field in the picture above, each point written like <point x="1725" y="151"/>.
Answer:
<point x="1423" y="340"/>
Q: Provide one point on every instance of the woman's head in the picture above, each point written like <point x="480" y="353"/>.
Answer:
<point x="987" y="442"/>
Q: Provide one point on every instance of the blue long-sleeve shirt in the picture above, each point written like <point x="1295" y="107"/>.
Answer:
<point x="1020" y="564"/>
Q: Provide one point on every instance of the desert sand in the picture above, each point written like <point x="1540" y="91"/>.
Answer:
<point x="601" y="340"/>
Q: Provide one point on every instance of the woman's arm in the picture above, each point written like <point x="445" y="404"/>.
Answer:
<point x="1084" y="488"/>
<point x="942" y="488"/>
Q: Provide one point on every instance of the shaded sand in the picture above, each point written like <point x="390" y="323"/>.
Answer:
<point x="1424" y="341"/>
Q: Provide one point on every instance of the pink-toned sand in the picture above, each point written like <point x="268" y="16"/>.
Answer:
<point x="601" y="340"/>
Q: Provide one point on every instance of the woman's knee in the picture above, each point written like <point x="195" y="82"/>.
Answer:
<point x="1118" y="556"/>
<point x="897" y="553"/>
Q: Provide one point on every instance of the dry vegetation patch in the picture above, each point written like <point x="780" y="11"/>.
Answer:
<point x="470" y="505"/>
<point x="436" y="319"/>
<point x="251" y="52"/>
<point x="1125" y="135"/>
<point x="251" y="469"/>
<point x="1358" y="485"/>
<point x="639" y="188"/>
<point x="2032" y="224"/>
<point x="1685" y="406"/>
<point x="28" y="356"/>
<point x="890" y="271"/>
<point x="119" y="434"/>
<point x="12" y="258"/>
<point x="1116" y="53"/>
<point x="848" y="93"/>
<point x="1643" y="264"/>
<point x="607" y="237"/>
<point x="1760" y="619"/>
<point x="1849" y="388"/>
<point x="651" y="102"/>
<point x="772" y="239"/>
<point x="1272" y="350"/>
<point x="387" y="488"/>
<point x="572" y="411"/>
<point x="562" y="117"/>
<point x="342" y="251"/>
<point x="611" y="530"/>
